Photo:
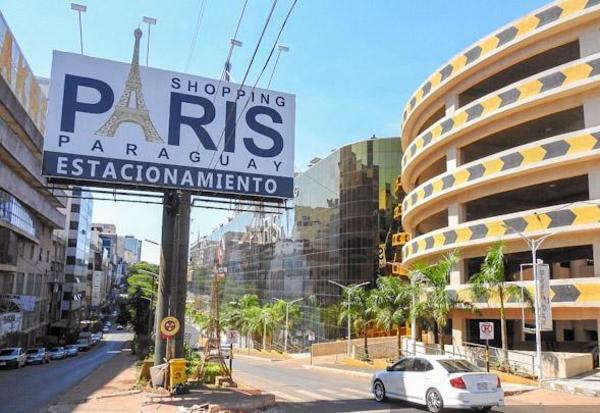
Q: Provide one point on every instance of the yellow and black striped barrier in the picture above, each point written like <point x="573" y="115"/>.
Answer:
<point x="577" y="214"/>
<point x="576" y="71"/>
<point x="554" y="148"/>
<point x="503" y="38"/>
<point x="562" y="291"/>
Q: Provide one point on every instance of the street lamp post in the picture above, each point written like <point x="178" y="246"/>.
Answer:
<point x="534" y="244"/>
<point x="287" y="315"/>
<point x="149" y="21"/>
<point x="350" y="288"/>
<point x="280" y="48"/>
<point x="227" y="70"/>
<point x="155" y="276"/>
<point x="79" y="8"/>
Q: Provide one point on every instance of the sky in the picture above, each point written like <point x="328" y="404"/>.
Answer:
<point x="352" y="64"/>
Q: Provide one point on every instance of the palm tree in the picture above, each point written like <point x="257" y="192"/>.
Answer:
<point x="239" y="313"/>
<point x="490" y="282"/>
<point x="431" y="281"/>
<point x="360" y="312"/>
<point x="391" y="302"/>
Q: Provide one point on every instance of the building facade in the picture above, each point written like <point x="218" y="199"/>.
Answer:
<point x="30" y="282"/>
<point x="340" y="215"/>
<point x="501" y="143"/>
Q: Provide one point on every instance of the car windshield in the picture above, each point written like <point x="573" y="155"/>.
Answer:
<point x="8" y="352"/>
<point x="459" y="366"/>
<point x="70" y="346"/>
<point x="33" y="351"/>
<point x="56" y="349"/>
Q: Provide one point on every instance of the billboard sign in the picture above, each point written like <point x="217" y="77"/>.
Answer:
<point x="123" y="125"/>
<point x="25" y="302"/>
<point x="544" y="304"/>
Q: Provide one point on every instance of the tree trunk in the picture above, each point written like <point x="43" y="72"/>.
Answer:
<point x="441" y="339"/>
<point x="503" y="333"/>
<point x="399" y="340"/>
<point x="264" y="338"/>
<point x="366" y="343"/>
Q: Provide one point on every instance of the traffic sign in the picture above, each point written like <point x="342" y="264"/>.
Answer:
<point x="169" y="326"/>
<point x="486" y="330"/>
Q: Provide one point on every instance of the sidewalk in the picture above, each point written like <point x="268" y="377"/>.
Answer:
<point x="109" y="389"/>
<point x="587" y="384"/>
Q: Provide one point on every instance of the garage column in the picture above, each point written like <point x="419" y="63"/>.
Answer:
<point x="589" y="41"/>
<point x="458" y="328"/>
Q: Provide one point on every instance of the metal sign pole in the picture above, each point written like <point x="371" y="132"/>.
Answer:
<point x="487" y="355"/>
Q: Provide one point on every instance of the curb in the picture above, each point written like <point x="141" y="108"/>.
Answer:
<point x="574" y="390"/>
<point x="265" y="359"/>
<point x="336" y="370"/>
<point x="508" y="393"/>
<point x="261" y="402"/>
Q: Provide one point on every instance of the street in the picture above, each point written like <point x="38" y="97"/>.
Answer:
<point x="34" y="388"/>
<point x="301" y="390"/>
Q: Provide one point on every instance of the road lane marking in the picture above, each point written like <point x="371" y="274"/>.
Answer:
<point x="361" y="393"/>
<point x="287" y="397"/>
<point x="315" y="396"/>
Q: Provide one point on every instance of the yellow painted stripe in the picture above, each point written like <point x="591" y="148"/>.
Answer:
<point x="586" y="214"/>
<point x="577" y="72"/>
<point x="531" y="155"/>
<point x="536" y="222"/>
<point x="459" y="119"/>
<point x="491" y="104"/>
<point x="463" y="235"/>
<point x="436" y="131"/>
<point x="526" y="25"/>
<point x="421" y="244"/>
<point x="435" y="79"/>
<point x="460" y="176"/>
<point x="437" y="185"/>
<point x="438" y="239"/>
<point x="589" y="292"/>
<point x="488" y="44"/>
<point x="582" y="143"/>
<point x="571" y="6"/>
<point x="492" y="166"/>
<point x="529" y="89"/>
<point x="458" y="63"/>
<point x="496" y="229"/>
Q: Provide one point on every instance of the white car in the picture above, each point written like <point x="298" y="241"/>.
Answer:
<point x="439" y="382"/>
<point x="14" y="357"/>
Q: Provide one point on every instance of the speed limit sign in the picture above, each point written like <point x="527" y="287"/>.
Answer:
<point x="169" y="326"/>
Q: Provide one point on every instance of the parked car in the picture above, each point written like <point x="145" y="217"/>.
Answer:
<point x="83" y="344"/>
<point x="108" y="324"/>
<point x="439" y="382"/>
<point x="37" y="356"/>
<point x="71" y="350"/>
<point x="57" y="353"/>
<point x="105" y="329"/>
<point x="12" y="357"/>
<point x="119" y="327"/>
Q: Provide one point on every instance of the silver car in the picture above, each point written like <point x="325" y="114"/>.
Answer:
<point x="37" y="356"/>
<point x="71" y="350"/>
<point x="57" y="353"/>
<point x="12" y="357"/>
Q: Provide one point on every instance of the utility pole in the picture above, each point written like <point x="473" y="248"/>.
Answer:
<point x="350" y="289"/>
<point x="172" y="285"/>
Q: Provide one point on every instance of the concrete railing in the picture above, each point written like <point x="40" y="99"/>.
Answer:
<point x="340" y="347"/>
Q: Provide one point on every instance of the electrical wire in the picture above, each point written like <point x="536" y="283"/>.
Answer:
<point x="196" y="33"/>
<point x="258" y="43"/>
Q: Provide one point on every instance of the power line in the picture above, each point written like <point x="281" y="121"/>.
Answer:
<point x="262" y="34"/>
<point x="196" y="33"/>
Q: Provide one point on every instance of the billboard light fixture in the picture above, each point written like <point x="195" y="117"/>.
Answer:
<point x="235" y="42"/>
<point x="149" y="20"/>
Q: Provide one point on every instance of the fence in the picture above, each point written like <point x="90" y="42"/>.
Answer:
<point x="521" y="363"/>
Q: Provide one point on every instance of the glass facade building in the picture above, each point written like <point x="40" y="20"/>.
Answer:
<point x="340" y="214"/>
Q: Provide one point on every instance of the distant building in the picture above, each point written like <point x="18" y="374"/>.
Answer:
<point x="30" y="281"/>
<point x="341" y="213"/>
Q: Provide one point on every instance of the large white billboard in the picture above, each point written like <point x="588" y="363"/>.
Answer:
<point x="125" y="124"/>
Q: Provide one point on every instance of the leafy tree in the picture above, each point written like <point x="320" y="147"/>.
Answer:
<point x="489" y="283"/>
<point x="360" y="312"/>
<point x="435" y="303"/>
<point x="391" y="302"/>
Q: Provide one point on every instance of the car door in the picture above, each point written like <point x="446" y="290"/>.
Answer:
<point x="417" y="380"/>
<point x="395" y="378"/>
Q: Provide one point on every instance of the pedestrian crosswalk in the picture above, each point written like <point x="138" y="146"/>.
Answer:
<point x="298" y="395"/>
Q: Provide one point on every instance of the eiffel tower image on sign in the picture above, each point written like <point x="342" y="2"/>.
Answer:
<point x="139" y="113"/>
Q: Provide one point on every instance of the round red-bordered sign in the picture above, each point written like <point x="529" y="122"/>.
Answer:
<point x="169" y="326"/>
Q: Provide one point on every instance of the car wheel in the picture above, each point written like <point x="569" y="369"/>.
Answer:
<point x="379" y="391"/>
<point x="434" y="401"/>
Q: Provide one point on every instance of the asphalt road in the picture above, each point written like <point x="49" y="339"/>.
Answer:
<point x="301" y="390"/>
<point x="34" y="388"/>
